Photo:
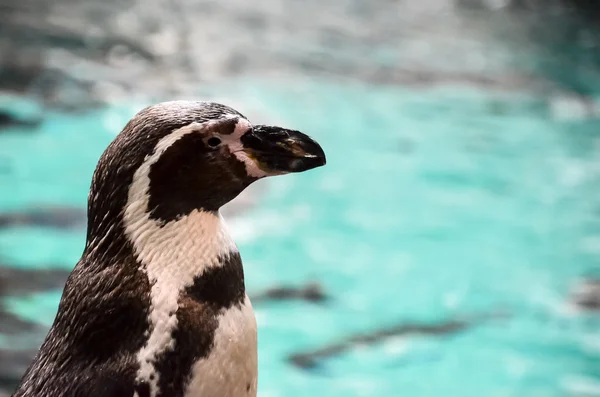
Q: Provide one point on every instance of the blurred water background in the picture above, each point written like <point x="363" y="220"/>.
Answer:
<point x="450" y="246"/>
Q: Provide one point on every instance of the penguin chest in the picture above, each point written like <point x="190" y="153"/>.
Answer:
<point x="230" y="367"/>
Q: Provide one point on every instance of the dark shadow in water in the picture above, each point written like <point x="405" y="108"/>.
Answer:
<point x="11" y="324"/>
<point x="15" y="281"/>
<point x="9" y="120"/>
<point x="57" y="217"/>
<point x="311" y="360"/>
<point x="18" y="282"/>
<point x="586" y="295"/>
<point x="312" y="292"/>
<point x="13" y="365"/>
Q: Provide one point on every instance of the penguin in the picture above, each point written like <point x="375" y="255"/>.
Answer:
<point x="157" y="306"/>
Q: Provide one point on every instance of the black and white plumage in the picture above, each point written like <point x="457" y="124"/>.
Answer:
<point x="156" y="306"/>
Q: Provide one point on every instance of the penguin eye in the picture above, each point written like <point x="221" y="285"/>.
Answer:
<point x="213" y="142"/>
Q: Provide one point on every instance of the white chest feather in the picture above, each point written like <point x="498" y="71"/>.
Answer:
<point x="231" y="368"/>
<point x="172" y="255"/>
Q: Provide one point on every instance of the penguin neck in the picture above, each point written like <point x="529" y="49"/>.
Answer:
<point x="178" y="251"/>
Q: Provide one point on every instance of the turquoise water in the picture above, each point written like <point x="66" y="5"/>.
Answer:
<point x="435" y="204"/>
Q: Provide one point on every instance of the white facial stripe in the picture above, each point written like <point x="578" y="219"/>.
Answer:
<point x="241" y="128"/>
<point x="235" y="147"/>
<point x="252" y="168"/>
<point x="172" y="255"/>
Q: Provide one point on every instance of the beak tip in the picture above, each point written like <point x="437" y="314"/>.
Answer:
<point x="322" y="160"/>
<point x="315" y="155"/>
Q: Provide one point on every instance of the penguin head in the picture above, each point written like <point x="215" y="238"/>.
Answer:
<point x="180" y="156"/>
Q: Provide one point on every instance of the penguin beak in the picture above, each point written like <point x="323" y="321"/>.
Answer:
<point x="279" y="151"/>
